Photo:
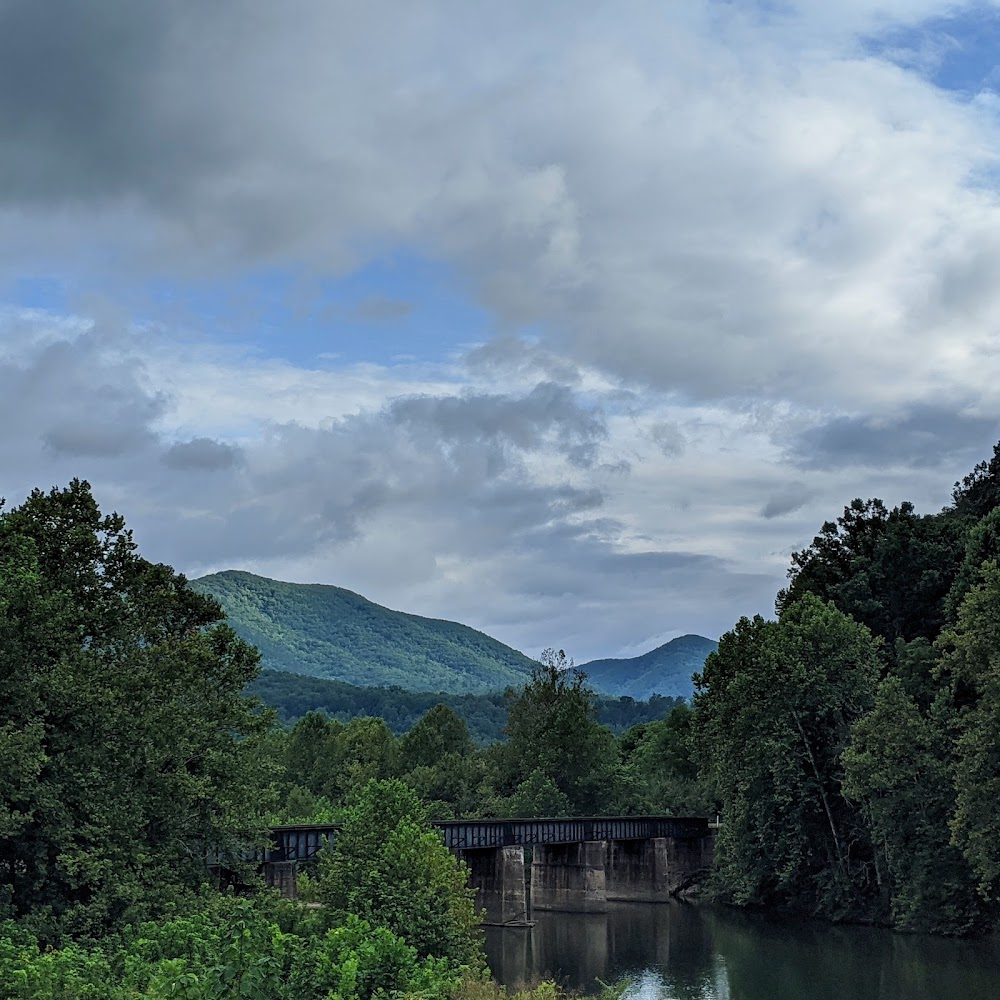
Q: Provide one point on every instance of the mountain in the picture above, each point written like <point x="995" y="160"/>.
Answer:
<point x="665" y="670"/>
<point x="333" y="633"/>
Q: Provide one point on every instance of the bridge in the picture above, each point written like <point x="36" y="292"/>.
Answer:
<point x="575" y="864"/>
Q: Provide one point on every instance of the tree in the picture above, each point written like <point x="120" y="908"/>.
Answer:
<point x="537" y="796"/>
<point x="661" y="767"/>
<point x="971" y="666"/>
<point x="551" y="729"/>
<point x="440" y="732"/>
<point x="365" y="750"/>
<point x="391" y="869"/>
<point x="774" y="708"/>
<point x="979" y="492"/>
<point x="888" y="569"/>
<point x="127" y="749"/>
<point x="310" y="753"/>
<point x="899" y="766"/>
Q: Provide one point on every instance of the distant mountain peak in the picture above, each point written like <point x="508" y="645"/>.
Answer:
<point x="327" y="631"/>
<point x="665" y="670"/>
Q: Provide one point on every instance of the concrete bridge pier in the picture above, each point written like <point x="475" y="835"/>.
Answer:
<point x="656" y="869"/>
<point x="497" y="873"/>
<point x="569" y="877"/>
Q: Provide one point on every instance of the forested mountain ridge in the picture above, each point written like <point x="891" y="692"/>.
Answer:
<point x="332" y="633"/>
<point x="666" y="670"/>
<point x="326" y="631"/>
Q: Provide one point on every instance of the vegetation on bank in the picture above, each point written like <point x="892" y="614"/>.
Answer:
<point x="854" y="743"/>
<point x="132" y="764"/>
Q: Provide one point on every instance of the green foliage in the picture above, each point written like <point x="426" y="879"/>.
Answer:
<point x="661" y="768"/>
<point x="391" y="868"/>
<point x="226" y="949"/>
<point x="127" y="750"/>
<point x="774" y="708"/>
<point x="294" y="696"/>
<point x="971" y="664"/>
<point x="552" y="730"/>
<point x="438" y="733"/>
<point x="331" y="632"/>
<point x="927" y="881"/>
<point x="921" y="761"/>
<point x="891" y="570"/>
<point x="537" y="796"/>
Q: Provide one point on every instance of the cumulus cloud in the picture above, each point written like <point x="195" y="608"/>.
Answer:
<point x="753" y="246"/>
<point x="202" y="454"/>
<point x="924" y="435"/>
<point x="727" y="200"/>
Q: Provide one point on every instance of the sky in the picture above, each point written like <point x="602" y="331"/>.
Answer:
<point x="569" y="321"/>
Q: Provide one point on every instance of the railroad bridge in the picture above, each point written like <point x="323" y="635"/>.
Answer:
<point x="575" y="864"/>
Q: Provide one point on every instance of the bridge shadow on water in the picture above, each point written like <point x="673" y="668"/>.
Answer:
<point x="679" y="951"/>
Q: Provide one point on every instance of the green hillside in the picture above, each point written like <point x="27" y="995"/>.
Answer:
<point x="665" y="670"/>
<point x="333" y="633"/>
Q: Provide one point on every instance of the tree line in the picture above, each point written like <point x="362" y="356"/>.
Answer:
<point x="556" y="759"/>
<point x="294" y="695"/>
<point x="852" y="746"/>
<point x="854" y="742"/>
<point x="132" y="761"/>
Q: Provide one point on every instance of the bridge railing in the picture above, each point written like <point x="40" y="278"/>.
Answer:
<point x="302" y="842"/>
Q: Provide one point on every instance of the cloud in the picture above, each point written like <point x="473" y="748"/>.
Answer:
<point x="715" y="245"/>
<point x="668" y="437"/>
<point x="925" y="435"/>
<point x="787" y="500"/>
<point x="721" y="200"/>
<point x="77" y="396"/>
<point x="202" y="454"/>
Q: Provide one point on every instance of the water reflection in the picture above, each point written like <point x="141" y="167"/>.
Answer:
<point x="684" y="952"/>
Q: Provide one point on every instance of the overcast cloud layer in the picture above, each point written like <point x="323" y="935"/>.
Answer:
<point x="738" y="265"/>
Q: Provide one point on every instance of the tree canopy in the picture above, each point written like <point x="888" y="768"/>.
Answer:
<point x="127" y="748"/>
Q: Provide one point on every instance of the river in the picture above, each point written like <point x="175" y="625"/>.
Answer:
<point x="680" y="951"/>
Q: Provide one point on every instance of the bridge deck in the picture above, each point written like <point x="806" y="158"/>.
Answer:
<point x="304" y="841"/>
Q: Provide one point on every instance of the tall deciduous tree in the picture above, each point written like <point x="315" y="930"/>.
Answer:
<point x="899" y="766"/>
<point x="553" y="734"/>
<point x="390" y="868"/>
<point x="126" y="745"/>
<point x="971" y="663"/>
<point x="775" y="705"/>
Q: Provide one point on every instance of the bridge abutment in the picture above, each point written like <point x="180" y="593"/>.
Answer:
<point x="569" y="877"/>
<point x="498" y="876"/>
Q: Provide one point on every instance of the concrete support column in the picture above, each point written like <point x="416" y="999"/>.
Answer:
<point x="569" y="877"/>
<point x="497" y="873"/>
<point x="690" y="860"/>
<point x="638" y="870"/>
<point x="656" y="869"/>
<point x="281" y="876"/>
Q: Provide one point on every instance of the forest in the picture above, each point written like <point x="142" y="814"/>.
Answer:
<point x="132" y="759"/>
<point x="851" y="746"/>
<point x="854" y="743"/>
<point x="294" y="695"/>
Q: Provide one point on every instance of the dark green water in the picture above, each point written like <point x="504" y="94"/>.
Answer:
<point x="677" y="951"/>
